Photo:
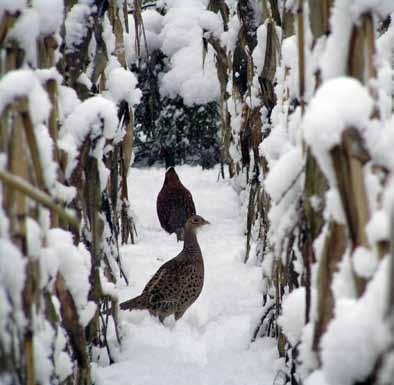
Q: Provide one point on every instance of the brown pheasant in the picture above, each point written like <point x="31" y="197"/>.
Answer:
<point x="177" y="283"/>
<point x="174" y="204"/>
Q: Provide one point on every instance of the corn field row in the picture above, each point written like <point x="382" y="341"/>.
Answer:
<point x="313" y="214"/>
<point x="303" y="239"/>
<point x="62" y="222"/>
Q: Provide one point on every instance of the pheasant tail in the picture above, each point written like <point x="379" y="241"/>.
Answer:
<point x="137" y="303"/>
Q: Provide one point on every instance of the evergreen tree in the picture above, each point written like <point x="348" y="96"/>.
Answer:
<point x="168" y="131"/>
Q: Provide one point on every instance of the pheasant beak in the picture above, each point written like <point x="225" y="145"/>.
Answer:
<point x="206" y="222"/>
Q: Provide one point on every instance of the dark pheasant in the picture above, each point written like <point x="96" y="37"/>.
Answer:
<point x="174" y="204"/>
<point x="177" y="283"/>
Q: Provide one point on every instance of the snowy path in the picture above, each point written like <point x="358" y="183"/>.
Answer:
<point x="210" y="344"/>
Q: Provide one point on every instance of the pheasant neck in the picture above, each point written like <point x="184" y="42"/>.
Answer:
<point x="190" y="242"/>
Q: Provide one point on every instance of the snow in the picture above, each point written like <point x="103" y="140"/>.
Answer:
<point x="152" y="21"/>
<point x="316" y="378"/>
<point x="45" y="146"/>
<point x="343" y="285"/>
<point x="211" y="23"/>
<point x="284" y="185"/>
<point x="76" y="24"/>
<point x="68" y="101"/>
<point x="178" y="34"/>
<point x="183" y="28"/>
<point x="378" y="228"/>
<point x="292" y="319"/>
<point x="27" y="83"/>
<point x="122" y="86"/>
<point x="388" y="198"/>
<point x="62" y="254"/>
<point x="50" y="13"/>
<point x="86" y="118"/>
<point x="26" y="31"/>
<point x="188" y="78"/>
<point x="11" y="286"/>
<point x="63" y="364"/>
<point x="259" y="52"/>
<point x="5" y="310"/>
<point x="11" y="274"/>
<point x="97" y="118"/>
<point x="334" y="209"/>
<point x="33" y="237"/>
<point x="49" y="74"/>
<point x="85" y="80"/>
<point x="382" y="7"/>
<point x="11" y="6"/>
<point x="276" y="144"/>
<point x="108" y="35"/>
<point x="283" y="174"/>
<point x="312" y="56"/>
<point x="19" y="83"/>
<point x="229" y="37"/>
<point x="290" y="61"/>
<point x="387" y="374"/>
<point x="344" y="15"/>
<point x="344" y="103"/>
<point x="307" y="357"/>
<point x="365" y="262"/>
<point x="210" y="344"/>
<point x="385" y="79"/>
<point x="334" y="59"/>
<point x="153" y="24"/>
<point x="381" y="151"/>
<point x="42" y="341"/>
<point x="358" y="334"/>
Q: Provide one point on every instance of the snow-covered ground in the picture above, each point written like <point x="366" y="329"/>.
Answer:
<point x="211" y="343"/>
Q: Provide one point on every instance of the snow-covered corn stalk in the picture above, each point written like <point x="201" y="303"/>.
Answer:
<point x="97" y="137"/>
<point x="60" y="153"/>
<point x="319" y="181"/>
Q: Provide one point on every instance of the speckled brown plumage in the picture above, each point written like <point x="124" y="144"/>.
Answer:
<point x="177" y="283"/>
<point x="174" y="204"/>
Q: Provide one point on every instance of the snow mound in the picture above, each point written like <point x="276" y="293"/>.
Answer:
<point x="358" y="333"/>
<point x="20" y="83"/>
<point x="97" y="118"/>
<point x="51" y="15"/>
<point x="292" y="319"/>
<point x="343" y="102"/>
<point x="122" y="86"/>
